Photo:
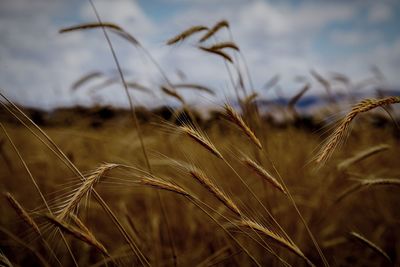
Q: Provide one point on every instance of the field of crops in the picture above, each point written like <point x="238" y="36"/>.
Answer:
<point x="105" y="187"/>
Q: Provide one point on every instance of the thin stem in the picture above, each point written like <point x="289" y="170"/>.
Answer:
<point x="58" y="152"/>
<point x="42" y="197"/>
<point x="136" y="121"/>
<point x="321" y="254"/>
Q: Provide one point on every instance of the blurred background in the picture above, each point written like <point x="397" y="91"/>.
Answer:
<point x="281" y="40"/>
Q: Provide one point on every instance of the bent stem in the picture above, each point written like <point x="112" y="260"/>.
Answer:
<point x="321" y="254"/>
<point x="61" y="155"/>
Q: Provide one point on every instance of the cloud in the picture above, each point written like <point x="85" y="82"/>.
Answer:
<point x="38" y="65"/>
<point x="380" y="13"/>
<point x="354" y="38"/>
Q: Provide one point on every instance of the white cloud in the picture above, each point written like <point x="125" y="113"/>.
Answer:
<point x="379" y="13"/>
<point x="354" y="38"/>
<point x="38" y="65"/>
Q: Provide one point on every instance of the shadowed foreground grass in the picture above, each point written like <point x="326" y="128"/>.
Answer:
<point x="196" y="239"/>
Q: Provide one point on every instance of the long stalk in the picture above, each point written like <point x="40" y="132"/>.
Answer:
<point x="137" y="124"/>
<point x="42" y="198"/>
<point x="58" y="152"/>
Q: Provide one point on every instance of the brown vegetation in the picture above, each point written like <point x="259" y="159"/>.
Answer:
<point x="192" y="195"/>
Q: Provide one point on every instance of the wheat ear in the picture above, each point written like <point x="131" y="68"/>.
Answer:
<point x="185" y="34"/>
<point x="219" y="25"/>
<point x="4" y="261"/>
<point x="223" y="45"/>
<point x="85" y="78"/>
<point x="194" y="86"/>
<point x="87" y="185"/>
<point x="212" y="187"/>
<point x="366" y="183"/>
<point x="263" y="173"/>
<point x="163" y="185"/>
<point x="245" y="223"/>
<point x="217" y="52"/>
<point x="362" y="155"/>
<point x="234" y="117"/>
<point x="341" y="131"/>
<point x="173" y="93"/>
<point x="22" y="213"/>
<point x="77" y="233"/>
<point x="201" y="139"/>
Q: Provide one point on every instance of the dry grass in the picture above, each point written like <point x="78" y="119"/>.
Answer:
<point x="22" y="213"/>
<point x="368" y="183"/>
<point x="185" y="34"/>
<point x="237" y="119"/>
<point x="361" y="156"/>
<point x="200" y="138"/>
<point x="173" y="93"/>
<point x="84" y="189"/>
<point x="163" y="185"/>
<point x="195" y="87"/>
<point x="223" y="45"/>
<point x="154" y="211"/>
<point x="217" y="52"/>
<point x="274" y="237"/>
<point x="263" y="174"/>
<point x="77" y="233"/>
<point x="370" y="244"/>
<point x="219" y="25"/>
<point x="108" y="145"/>
<point x="210" y="186"/>
<point x="341" y="131"/>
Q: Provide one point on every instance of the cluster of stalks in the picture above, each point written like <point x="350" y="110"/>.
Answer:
<point x="236" y="221"/>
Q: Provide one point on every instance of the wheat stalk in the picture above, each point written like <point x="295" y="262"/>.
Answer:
<point x="250" y="98"/>
<point x="86" y="78"/>
<point x="341" y="131"/>
<point x="4" y="261"/>
<point x="237" y="119"/>
<point x="212" y="187"/>
<point x="296" y="98"/>
<point x="22" y="213"/>
<point x="86" y="26"/>
<point x="245" y="223"/>
<point x="219" y="25"/>
<point x="366" y="183"/>
<point x="77" y="233"/>
<point x="274" y="80"/>
<point x="113" y="27"/>
<point x="222" y="45"/>
<point x="130" y="85"/>
<point x="325" y="83"/>
<point x="173" y="93"/>
<point x="217" y="52"/>
<point x="361" y="156"/>
<point x="163" y="185"/>
<point x="370" y="244"/>
<point x="263" y="173"/>
<point x="138" y="86"/>
<point x="87" y="185"/>
<point x="79" y="223"/>
<point x="185" y="34"/>
<point x="200" y="138"/>
<point x="57" y="152"/>
<point x="194" y="86"/>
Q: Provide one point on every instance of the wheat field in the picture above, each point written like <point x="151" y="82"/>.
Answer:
<point x="166" y="187"/>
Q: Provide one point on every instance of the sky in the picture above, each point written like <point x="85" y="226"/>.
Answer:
<point x="288" y="38"/>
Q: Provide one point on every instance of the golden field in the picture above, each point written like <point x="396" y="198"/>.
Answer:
<point x="108" y="187"/>
<point x="90" y="140"/>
